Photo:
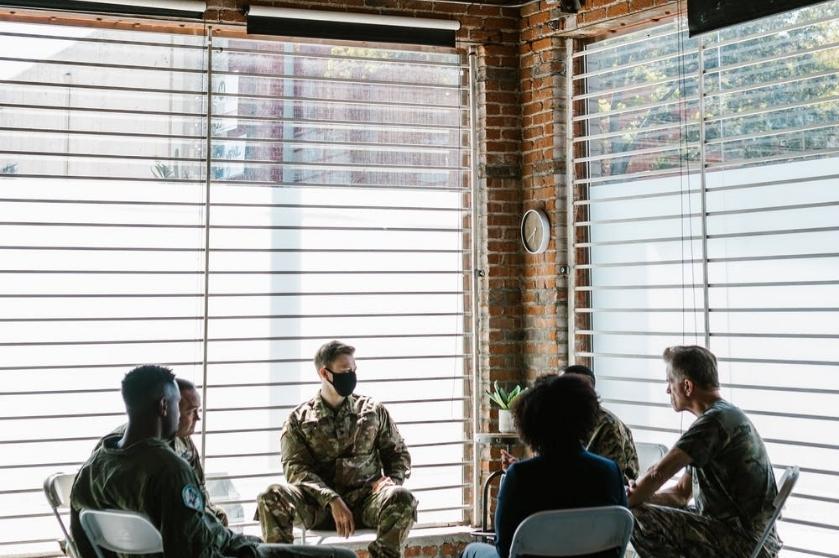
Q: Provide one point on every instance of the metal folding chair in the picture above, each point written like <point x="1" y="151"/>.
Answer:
<point x="57" y="490"/>
<point x="648" y="455"/>
<point x="120" y="531"/>
<point x="573" y="532"/>
<point x="787" y="484"/>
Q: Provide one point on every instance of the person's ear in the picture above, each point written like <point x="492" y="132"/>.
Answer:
<point x="687" y="387"/>
<point x="323" y="373"/>
<point x="162" y="407"/>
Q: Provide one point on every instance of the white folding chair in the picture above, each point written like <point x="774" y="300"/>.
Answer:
<point x="787" y="484"/>
<point x="57" y="489"/>
<point x="573" y="532"/>
<point x="319" y="536"/>
<point x="120" y="531"/>
<point x="648" y="455"/>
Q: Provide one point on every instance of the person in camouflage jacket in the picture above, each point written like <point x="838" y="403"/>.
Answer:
<point x="139" y="472"/>
<point x="182" y="443"/>
<point x="344" y="463"/>
<point x="729" y="475"/>
<point x="611" y="438"/>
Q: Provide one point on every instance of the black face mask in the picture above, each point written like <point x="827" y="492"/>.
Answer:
<point x="343" y="383"/>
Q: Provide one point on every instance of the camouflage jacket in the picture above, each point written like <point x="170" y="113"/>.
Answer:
<point x="340" y="452"/>
<point x="613" y="439"/>
<point x="186" y="450"/>
<point x="148" y="477"/>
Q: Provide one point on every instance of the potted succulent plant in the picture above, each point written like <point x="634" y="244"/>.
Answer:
<point x="503" y="399"/>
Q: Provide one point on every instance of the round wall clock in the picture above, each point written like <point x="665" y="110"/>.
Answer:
<point x="535" y="231"/>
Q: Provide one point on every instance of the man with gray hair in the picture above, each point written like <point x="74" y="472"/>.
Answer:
<point x="728" y="474"/>
<point x="344" y="463"/>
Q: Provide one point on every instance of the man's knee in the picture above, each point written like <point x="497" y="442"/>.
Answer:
<point x="399" y="501"/>
<point x="276" y="492"/>
<point x="399" y="496"/>
<point x="479" y="550"/>
<point x="277" y="501"/>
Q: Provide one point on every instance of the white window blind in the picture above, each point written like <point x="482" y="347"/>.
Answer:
<point x="706" y="213"/>
<point x="329" y="202"/>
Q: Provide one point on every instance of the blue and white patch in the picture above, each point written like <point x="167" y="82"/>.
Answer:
<point x="192" y="497"/>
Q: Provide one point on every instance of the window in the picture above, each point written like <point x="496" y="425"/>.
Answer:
<point x="333" y="205"/>
<point x="705" y="212"/>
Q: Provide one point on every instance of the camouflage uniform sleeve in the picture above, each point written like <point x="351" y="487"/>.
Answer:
<point x="79" y="500"/>
<point x="299" y="464"/>
<point x="176" y="503"/>
<point x="186" y="450"/>
<point x="631" y="467"/>
<point x="613" y="440"/>
<point x="396" y="461"/>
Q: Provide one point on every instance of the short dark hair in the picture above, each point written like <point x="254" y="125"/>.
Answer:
<point x="330" y="351"/>
<point x="695" y="363"/>
<point x="582" y="370"/>
<point x="185" y="385"/>
<point x="145" y="384"/>
<point x="557" y="414"/>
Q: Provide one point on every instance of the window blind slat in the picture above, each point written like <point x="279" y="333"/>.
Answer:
<point x="760" y="191"/>
<point x="333" y="172"/>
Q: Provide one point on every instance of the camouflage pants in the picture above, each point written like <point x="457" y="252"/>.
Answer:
<point x="664" y="532"/>
<point x="391" y="511"/>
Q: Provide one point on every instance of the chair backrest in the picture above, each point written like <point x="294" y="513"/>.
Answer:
<point x="121" y="531"/>
<point x="57" y="489"/>
<point x="648" y="455"/>
<point x="573" y="532"/>
<point x="787" y="484"/>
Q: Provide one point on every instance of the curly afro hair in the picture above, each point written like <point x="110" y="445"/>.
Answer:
<point x="557" y="414"/>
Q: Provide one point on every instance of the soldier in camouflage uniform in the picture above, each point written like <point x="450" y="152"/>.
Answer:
<point x="344" y="462"/>
<point x="611" y="438"/>
<point x="139" y="472"/>
<point x="728" y="474"/>
<point x="182" y="443"/>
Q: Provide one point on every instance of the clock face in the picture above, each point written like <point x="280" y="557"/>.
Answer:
<point x="535" y="231"/>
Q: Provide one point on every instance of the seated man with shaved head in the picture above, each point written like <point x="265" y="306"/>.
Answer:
<point x="139" y="472"/>
<point x="182" y="444"/>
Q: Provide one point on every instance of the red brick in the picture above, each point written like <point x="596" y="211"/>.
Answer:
<point x="592" y="16"/>
<point x="618" y="10"/>
<point x="637" y="5"/>
<point x="542" y="44"/>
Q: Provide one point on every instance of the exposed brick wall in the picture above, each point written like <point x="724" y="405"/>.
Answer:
<point x="543" y="167"/>
<point x="603" y="17"/>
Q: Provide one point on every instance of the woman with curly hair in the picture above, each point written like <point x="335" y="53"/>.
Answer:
<point x="552" y="418"/>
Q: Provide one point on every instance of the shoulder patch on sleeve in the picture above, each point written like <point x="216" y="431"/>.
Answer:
<point x="192" y="497"/>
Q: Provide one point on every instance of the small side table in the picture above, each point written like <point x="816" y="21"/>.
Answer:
<point x="486" y="533"/>
<point x="500" y="438"/>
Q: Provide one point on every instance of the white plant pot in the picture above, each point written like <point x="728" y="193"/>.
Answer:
<point x="505" y="421"/>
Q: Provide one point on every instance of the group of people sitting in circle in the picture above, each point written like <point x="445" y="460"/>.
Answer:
<point x="344" y="464"/>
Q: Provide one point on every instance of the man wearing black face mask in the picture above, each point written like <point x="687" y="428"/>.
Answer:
<point x="344" y="463"/>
